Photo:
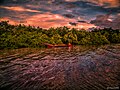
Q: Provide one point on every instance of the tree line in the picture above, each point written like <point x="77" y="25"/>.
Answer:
<point x="21" y="36"/>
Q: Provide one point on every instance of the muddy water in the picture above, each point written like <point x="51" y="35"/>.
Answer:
<point x="62" y="69"/>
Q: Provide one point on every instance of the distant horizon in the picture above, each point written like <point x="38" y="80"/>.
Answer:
<point x="89" y="29"/>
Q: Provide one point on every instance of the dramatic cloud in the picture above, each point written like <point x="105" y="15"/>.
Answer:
<point x="55" y="13"/>
<point x="19" y="9"/>
<point x="107" y="3"/>
<point x="105" y="21"/>
<point x="69" y="15"/>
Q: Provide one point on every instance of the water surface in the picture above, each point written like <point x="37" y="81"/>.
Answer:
<point x="76" y="68"/>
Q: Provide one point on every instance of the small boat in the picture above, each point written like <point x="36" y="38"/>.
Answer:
<point x="57" y="45"/>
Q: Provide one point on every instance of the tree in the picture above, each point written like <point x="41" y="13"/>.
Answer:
<point x="85" y="41"/>
<point x="56" y="39"/>
<point x="115" y="38"/>
<point x="98" y="39"/>
<point x="70" y="38"/>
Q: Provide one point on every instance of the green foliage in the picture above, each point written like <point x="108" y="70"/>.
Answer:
<point x="85" y="41"/>
<point x="98" y="39"/>
<point x="56" y="39"/>
<point x="70" y="38"/>
<point x="115" y="38"/>
<point x="7" y="40"/>
<point x="20" y="36"/>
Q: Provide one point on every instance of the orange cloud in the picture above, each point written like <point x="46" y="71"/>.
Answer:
<point x="10" y="20"/>
<point x="70" y="0"/>
<point x="19" y="9"/>
<point x="112" y="3"/>
<point x="48" y="20"/>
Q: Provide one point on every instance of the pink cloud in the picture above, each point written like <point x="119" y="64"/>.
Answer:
<point x="43" y="20"/>
<point x="112" y="3"/>
<point x="48" y="20"/>
<point x="10" y="20"/>
<point x="19" y="9"/>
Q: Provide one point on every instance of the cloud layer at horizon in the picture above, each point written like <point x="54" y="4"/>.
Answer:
<point x="56" y="13"/>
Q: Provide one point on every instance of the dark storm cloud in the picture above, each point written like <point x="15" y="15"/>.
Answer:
<point x="69" y="15"/>
<point x="91" y="8"/>
<point x="106" y="21"/>
<point x="81" y="21"/>
<point x="1" y="1"/>
<point x="14" y="1"/>
<point x="73" y="23"/>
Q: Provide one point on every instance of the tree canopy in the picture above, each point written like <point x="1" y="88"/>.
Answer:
<point x="20" y="36"/>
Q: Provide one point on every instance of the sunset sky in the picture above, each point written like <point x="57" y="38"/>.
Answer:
<point x="56" y="13"/>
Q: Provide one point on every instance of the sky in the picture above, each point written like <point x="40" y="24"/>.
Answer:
<point x="57" y="13"/>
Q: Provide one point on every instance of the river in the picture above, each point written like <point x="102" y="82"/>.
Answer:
<point x="62" y="68"/>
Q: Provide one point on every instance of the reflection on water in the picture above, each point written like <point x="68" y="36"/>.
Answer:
<point x="62" y="69"/>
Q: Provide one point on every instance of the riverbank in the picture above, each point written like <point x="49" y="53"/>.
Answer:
<point x="25" y="51"/>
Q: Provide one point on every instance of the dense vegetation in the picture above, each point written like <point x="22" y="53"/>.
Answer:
<point x="20" y="36"/>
